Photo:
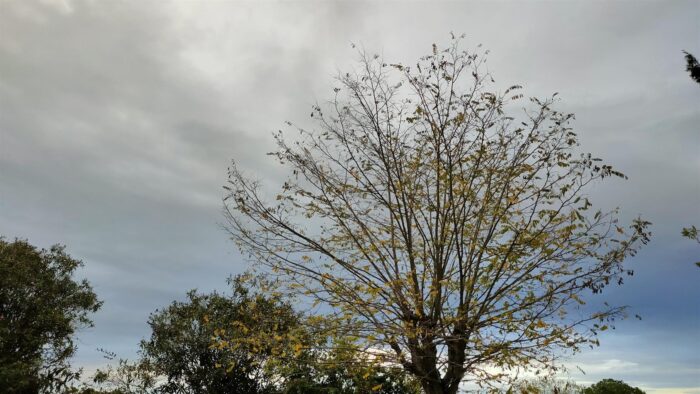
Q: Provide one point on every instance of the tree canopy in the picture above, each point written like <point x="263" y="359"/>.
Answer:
<point x="41" y="307"/>
<point x="611" y="386"/>
<point x="182" y="349"/>
<point x="446" y="234"/>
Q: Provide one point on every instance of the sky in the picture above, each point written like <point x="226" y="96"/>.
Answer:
<point x="118" y="121"/>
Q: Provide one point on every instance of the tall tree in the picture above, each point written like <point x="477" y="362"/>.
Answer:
<point x="41" y="307"/>
<point x="442" y="231"/>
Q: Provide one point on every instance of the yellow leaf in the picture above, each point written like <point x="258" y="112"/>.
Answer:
<point x="377" y="387"/>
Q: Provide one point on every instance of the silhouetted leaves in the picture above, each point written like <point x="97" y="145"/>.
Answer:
<point x="692" y="67"/>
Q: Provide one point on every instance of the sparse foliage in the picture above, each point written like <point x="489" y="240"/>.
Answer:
<point x="124" y="378"/>
<point x="692" y="234"/>
<point x="545" y="386"/>
<point x="436" y="227"/>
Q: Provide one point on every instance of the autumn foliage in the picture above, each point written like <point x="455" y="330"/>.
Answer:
<point x="439" y="226"/>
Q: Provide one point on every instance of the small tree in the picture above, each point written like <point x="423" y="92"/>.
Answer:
<point x="438" y="229"/>
<point x="182" y="346"/>
<point x="41" y="307"/>
<point x="611" y="386"/>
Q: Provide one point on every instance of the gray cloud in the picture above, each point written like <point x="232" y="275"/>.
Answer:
<point x="118" y="121"/>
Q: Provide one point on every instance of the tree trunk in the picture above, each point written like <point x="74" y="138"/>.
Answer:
<point x="432" y="382"/>
<point x="430" y="387"/>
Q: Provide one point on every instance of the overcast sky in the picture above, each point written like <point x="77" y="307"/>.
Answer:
<point x="118" y="121"/>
